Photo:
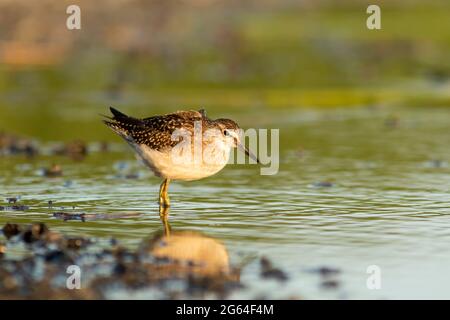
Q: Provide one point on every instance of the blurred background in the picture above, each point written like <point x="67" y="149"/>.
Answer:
<point x="364" y="124"/>
<point x="229" y="57"/>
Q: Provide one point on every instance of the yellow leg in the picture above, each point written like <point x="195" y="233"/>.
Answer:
<point x="163" y="211"/>
<point x="164" y="216"/>
<point x="163" y="196"/>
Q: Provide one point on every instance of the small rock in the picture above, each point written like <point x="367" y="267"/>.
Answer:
<point x="12" y="199"/>
<point x="69" y="216"/>
<point x="76" y="243"/>
<point x="268" y="271"/>
<point x="330" y="284"/>
<point x="57" y="256"/>
<point x="13" y="145"/>
<point x="17" y="208"/>
<point x="327" y="271"/>
<point x="52" y="236"/>
<point x="35" y="232"/>
<point x="119" y="268"/>
<point x="10" y="230"/>
<point x="323" y="184"/>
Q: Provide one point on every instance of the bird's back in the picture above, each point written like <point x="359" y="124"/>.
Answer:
<point x="154" y="132"/>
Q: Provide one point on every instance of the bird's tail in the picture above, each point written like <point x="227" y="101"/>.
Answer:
<point x="122" y="124"/>
<point x="117" y="115"/>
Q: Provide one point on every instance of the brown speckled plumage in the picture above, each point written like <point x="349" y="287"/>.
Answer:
<point x="156" y="132"/>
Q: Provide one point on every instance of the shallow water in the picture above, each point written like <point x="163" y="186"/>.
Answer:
<point x="385" y="202"/>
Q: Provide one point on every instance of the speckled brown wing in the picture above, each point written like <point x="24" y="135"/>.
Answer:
<point x="157" y="131"/>
<point x="154" y="132"/>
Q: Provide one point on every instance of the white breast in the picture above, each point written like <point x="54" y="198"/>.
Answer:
<point x="184" y="163"/>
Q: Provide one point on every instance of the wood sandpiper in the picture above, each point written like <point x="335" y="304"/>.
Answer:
<point x="165" y="144"/>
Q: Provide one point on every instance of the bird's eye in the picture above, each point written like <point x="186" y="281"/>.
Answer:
<point x="226" y="133"/>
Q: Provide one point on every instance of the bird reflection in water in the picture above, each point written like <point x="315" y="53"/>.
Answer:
<point x="187" y="253"/>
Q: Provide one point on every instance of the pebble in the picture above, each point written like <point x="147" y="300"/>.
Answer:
<point x="11" y="229"/>
<point x="268" y="271"/>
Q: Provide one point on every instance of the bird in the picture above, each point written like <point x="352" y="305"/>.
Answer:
<point x="183" y="145"/>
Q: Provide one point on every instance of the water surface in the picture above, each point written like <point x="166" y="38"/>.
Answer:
<point x="356" y="187"/>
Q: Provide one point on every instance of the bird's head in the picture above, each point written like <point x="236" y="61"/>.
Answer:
<point x="232" y="134"/>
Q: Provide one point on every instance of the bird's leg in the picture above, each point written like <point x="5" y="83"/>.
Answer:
<point x="164" y="216"/>
<point x="164" y="206"/>
<point x="163" y="196"/>
<point x="163" y="212"/>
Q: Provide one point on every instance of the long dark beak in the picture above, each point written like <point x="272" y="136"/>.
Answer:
<point x="247" y="152"/>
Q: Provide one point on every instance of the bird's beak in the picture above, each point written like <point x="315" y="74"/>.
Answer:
<point x="247" y="152"/>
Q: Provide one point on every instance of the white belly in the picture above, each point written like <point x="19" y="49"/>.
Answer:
<point x="183" y="165"/>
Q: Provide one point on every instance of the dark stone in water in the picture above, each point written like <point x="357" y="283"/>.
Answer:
<point x="19" y="208"/>
<point x="327" y="271"/>
<point x="328" y="276"/>
<point x="10" y="230"/>
<point x="128" y="176"/>
<point x="12" y="199"/>
<point x="69" y="216"/>
<point x="26" y="149"/>
<point x="268" y="271"/>
<point x="14" y="208"/>
<point x="35" y="232"/>
<point x="132" y="176"/>
<point x="76" y="243"/>
<point x="277" y="274"/>
<point x="14" y="145"/>
<point x="57" y="256"/>
<point x="330" y="284"/>
<point x="323" y="184"/>
<point x="38" y="229"/>
<point x="120" y="268"/>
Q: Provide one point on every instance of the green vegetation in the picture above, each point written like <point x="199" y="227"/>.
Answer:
<point x="249" y="59"/>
